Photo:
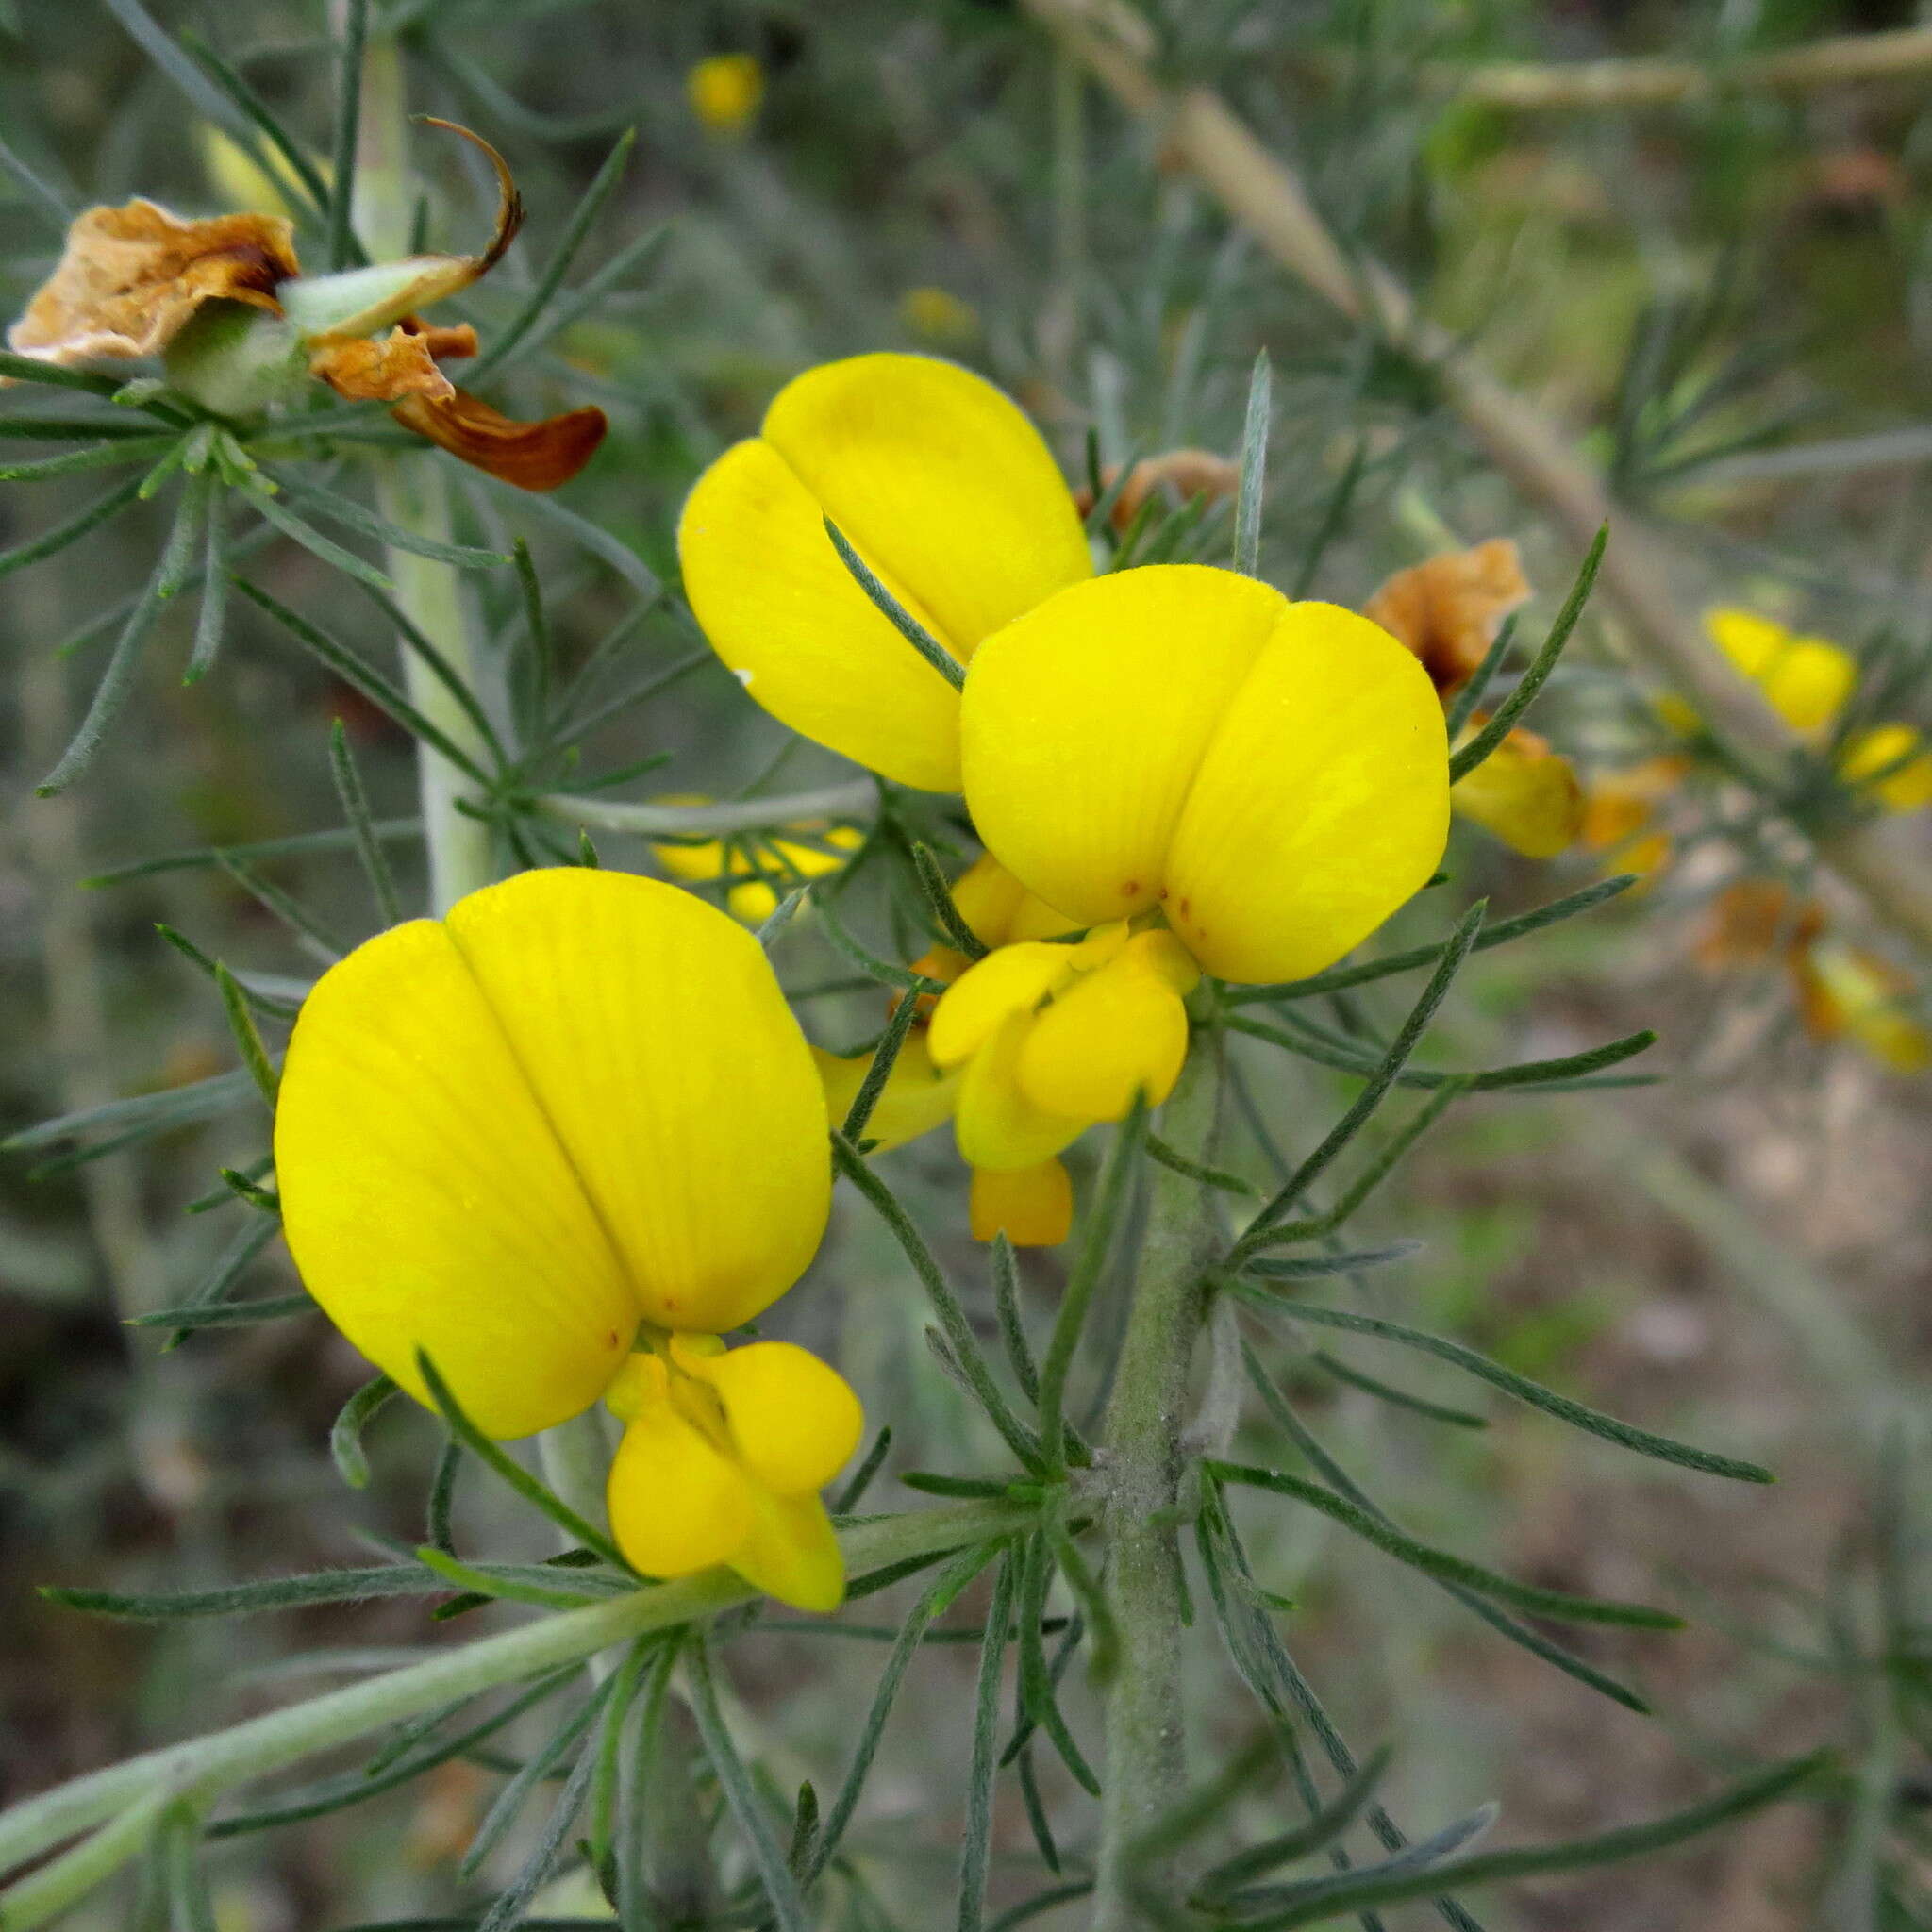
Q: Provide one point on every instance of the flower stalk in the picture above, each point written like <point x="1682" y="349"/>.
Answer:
<point x="1140" y="1461"/>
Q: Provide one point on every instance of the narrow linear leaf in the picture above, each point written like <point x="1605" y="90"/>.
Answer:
<point x="976" y="1850"/>
<point x="958" y="1331"/>
<point x="252" y="1599"/>
<point x="210" y="858"/>
<point x="112" y="693"/>
<point x="366" y="679"/>
<point x="101" y="456"/>
<point x="63" y="535"/>
<point x="1463" y="705"/>
<point x="344" y="152"/>
<point x="1504" y="718"/>
<point x="191" y="1316"/>
<point x="894" y="612"/>
<point x="209" y="619"/>
<point x="1339" y="978"/>
<point x="1321" y="1830"/>
<point x="510" y="1471"/>
<point x="881" y="970"/>
<point x="1626" y="1435"/>
<point x="369" y="850"/>
<point x="336" y="508"/>
<point x="1254" y="470"/>
<point x="1399" y="1398"/>
<point x="1375" y="1529"/>
<point x="516" y="1793"/>
<point x="1352" y="1891"/>
<point x="1308" y="1267"/>
<point x="346" y="1438"/>
<point x="885" y="1056"/>
<point x="939" y="899"/>
<point x="1382" y="1075"/>
<point x="939" y="1597"/>
<point x="741" y="1797"/>
<point x="254" y="1056"/>
<point x="311" y="540"/>
<point x="1420" y="1859"/>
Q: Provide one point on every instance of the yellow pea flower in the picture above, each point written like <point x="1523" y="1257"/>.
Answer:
<point x="1033" y="1206"/>
<point x="1272" y="776"/>
<point x="755" y="900"/>
<point x="939" y="315"/>
<point x="507" y="1137"/>
<point x="726" y="91"/>
<point x="1887" y="759"/>
<point x="1054" y="1039"/>
<point x="1845" y="992"/>
<point x="953" y="500"/>
<point x="1525" y="793"/>
<point x="1808" y="681"/>
<point x="1805" y="680"/>
<point x="723" y="1455"/>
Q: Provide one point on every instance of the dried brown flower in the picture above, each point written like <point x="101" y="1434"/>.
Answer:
<point x="1448" y="608"/>
<point x="131" y="278"/>
<point x="1189" y="472"/>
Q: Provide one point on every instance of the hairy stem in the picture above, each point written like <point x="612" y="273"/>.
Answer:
<point x="203" y="1767"/>
<point x="1141" y="1462"/>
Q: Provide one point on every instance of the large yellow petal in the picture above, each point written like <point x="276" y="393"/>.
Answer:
<point x="781" y="609"/>
<point x="791" y="1553"/>
<point x="1320" y="807"/>
<point x="996" y="1125"/>
<point x="999" y="910"/>
<point x="1111" y="1035"/>
<point x="677" y="1502"/>
<point x="949" y="494"/>
<point x="794" y="1419"/>
<point x="1085" y="723"/>
<point x="652" y="1030"/>
<point x="931" y="469"/>
<point x="426" y="1201"/>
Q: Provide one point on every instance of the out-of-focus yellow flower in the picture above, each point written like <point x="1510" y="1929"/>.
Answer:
<point x="939" y="316"/>
<point x="1805" y="680"/>
<point x="726" y="91"/>
<point x="1055" y="1039"/>
<point x="263" y="187"/>
<point x="1808" y="681"/>
<point x="1271" y="777"/>
<point x="1849" y="993"/>
<point x="1842" y="991"/>
<point x="509" y="1138"/>
<point x="795" y="860"/>
<point x="723" y="1455"/>
<point x="1620" y="811"/>
<point x="1887" y="761"/>
<point x="1524" y="792"/>
<point x="952" y="499"/>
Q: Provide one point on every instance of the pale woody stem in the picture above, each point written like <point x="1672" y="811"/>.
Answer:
<point x="1140" y="1470"/>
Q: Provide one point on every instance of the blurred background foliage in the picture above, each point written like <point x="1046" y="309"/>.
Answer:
<point x="1727" y="298"/>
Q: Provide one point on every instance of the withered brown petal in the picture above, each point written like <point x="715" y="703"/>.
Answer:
<point x="1448" y="608"/>
<point x="533" y="456"/>
<point x="1751" y="919"/>
<point x="381" y="369"/>
<point x="131" y="277"/>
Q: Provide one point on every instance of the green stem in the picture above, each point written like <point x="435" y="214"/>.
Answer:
<point x="413" y="493"/>
<point x="1140" y="1462"/>
<point x="204" y="1767"/>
